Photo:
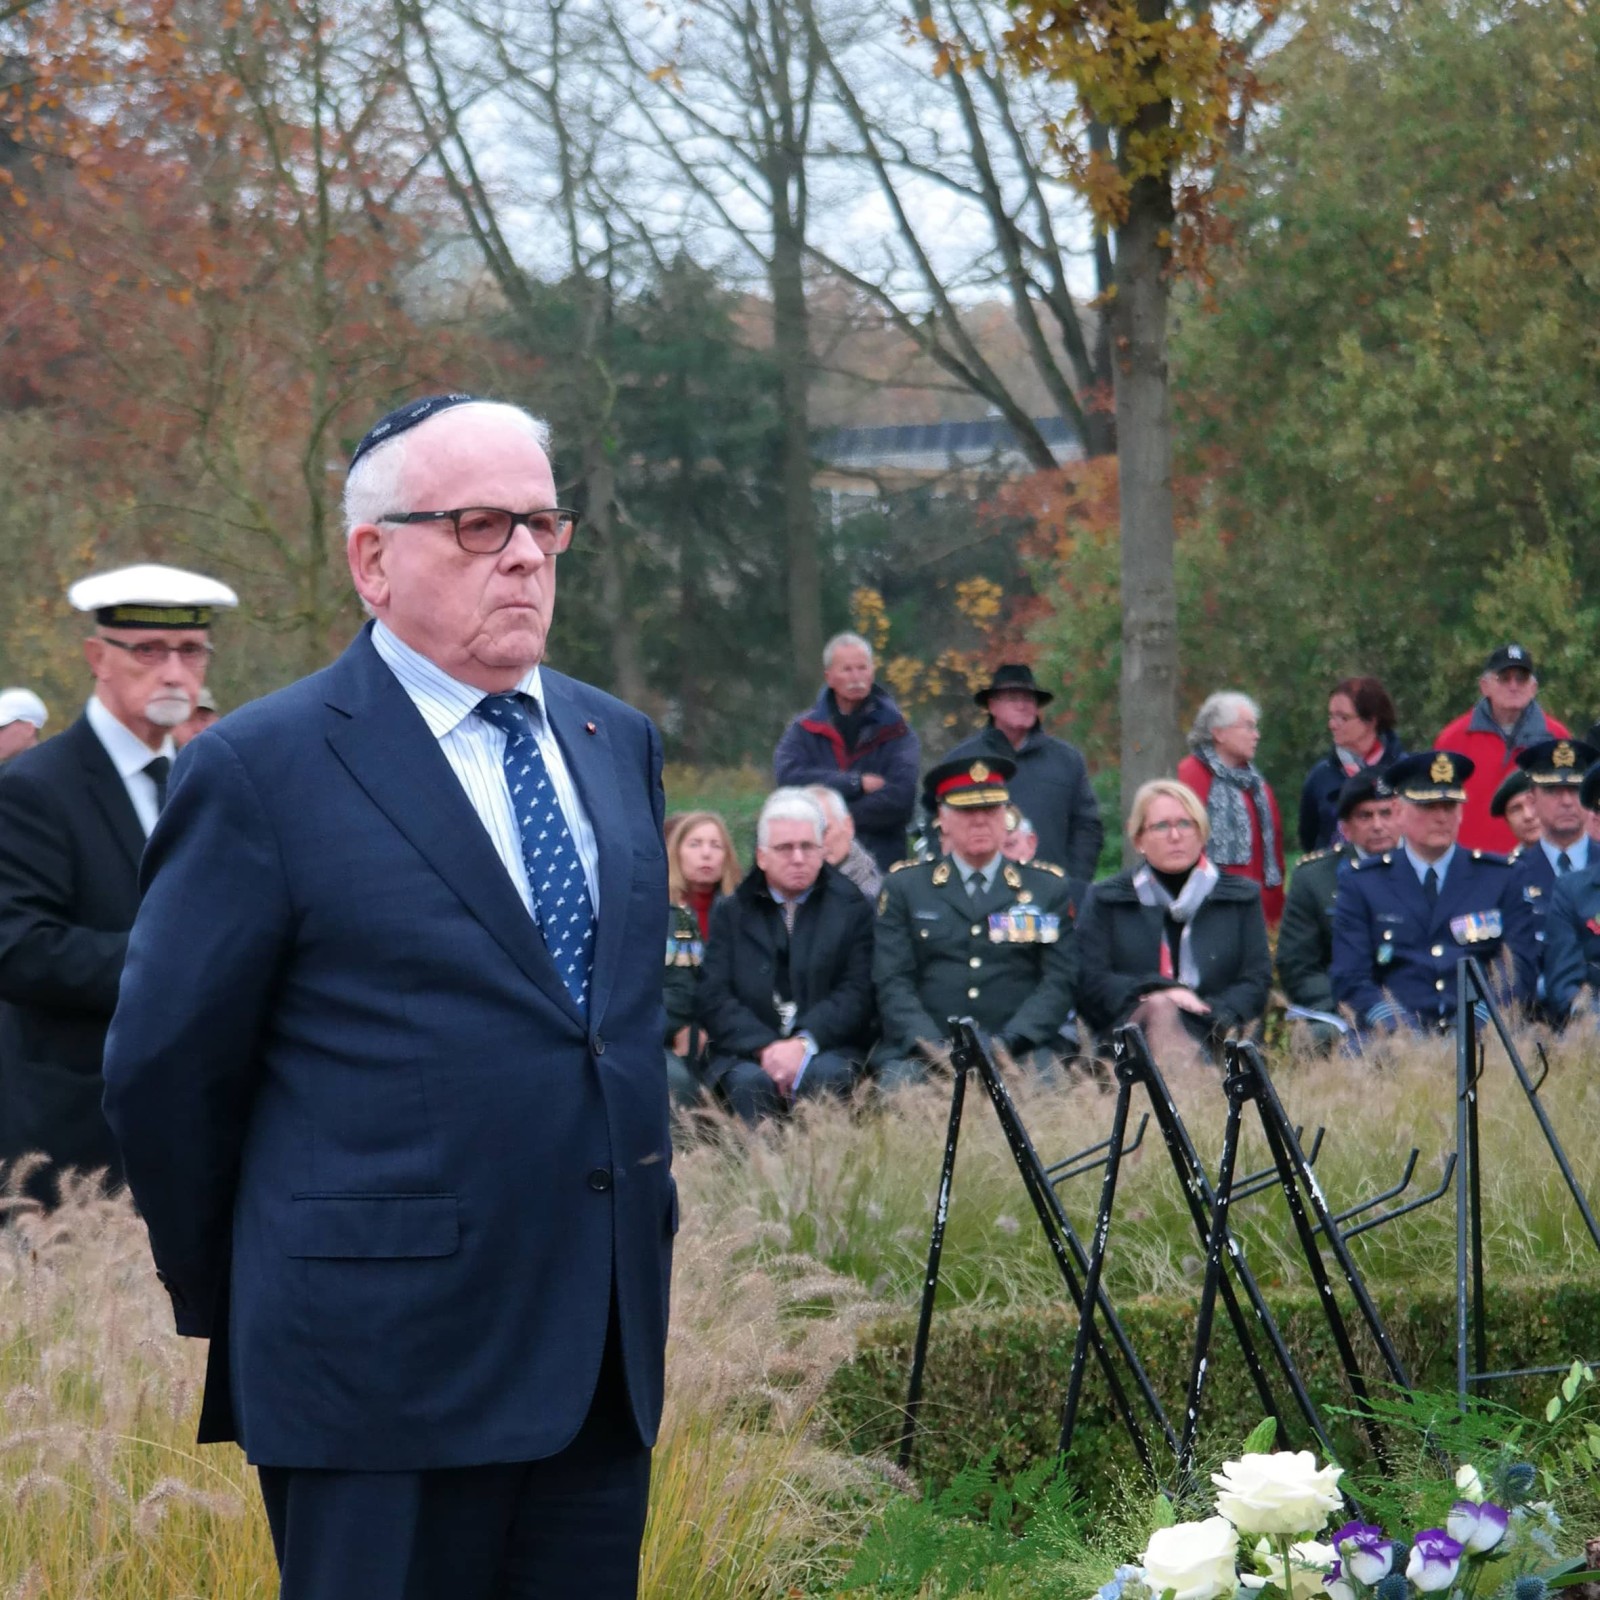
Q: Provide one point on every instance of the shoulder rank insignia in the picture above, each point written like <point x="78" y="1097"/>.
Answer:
<point x="1012" y="876"/>
<point x="941" y="875"/>
<point x="900" y="866"/>
<point x="1315" y="855"/>
<point x="1050" y="867"/>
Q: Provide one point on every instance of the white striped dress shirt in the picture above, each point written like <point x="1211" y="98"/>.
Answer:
<point x="475" y="750"/>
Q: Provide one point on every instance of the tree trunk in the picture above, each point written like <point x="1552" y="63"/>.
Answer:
<point x="791" y="348"/>
<point x="600" y="513"/>
<point x="1151" y="745"/>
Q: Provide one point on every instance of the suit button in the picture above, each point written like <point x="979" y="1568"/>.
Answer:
<point x="1438" y="949"/>
<point x="598" y="1045"/>
<point x="599" y="1180"/>
<point x="972" y="994"/>
<point x="976" y="930"/>
<point x="977" y="961"/>
<point x="1439" y="983"/>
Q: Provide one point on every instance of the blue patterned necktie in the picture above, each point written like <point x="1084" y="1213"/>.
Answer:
<point x="555" y="874"/>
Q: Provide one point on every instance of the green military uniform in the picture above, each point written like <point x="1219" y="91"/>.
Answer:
<point x="685" y="952"/>
<point x="1305" y="937"/>
<point x="1003" y="958"/>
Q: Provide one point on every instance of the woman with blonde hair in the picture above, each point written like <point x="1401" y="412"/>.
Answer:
<point x="1173" y="943"/>
<point x="702" y="866"/>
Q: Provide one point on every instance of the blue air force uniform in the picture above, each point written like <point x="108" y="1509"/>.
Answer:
<point x="1395" y="948"/>
<point x="1571" y="954"/>
<point x="1551" y="764"/>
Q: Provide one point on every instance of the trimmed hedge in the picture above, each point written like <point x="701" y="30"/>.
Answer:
<point x="998" y="1378"/>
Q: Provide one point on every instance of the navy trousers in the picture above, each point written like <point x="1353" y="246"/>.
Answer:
<point x="751" y="1094"/>
<point x="535" y="1530"/>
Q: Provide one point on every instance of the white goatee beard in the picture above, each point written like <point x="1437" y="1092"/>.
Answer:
<point x="169" y="710"/>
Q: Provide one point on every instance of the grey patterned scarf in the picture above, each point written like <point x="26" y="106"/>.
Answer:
<point x="1233" y="791"/>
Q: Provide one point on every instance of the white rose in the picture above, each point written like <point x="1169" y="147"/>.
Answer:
<point x="1196" y="1560"/>
<point x="1286" y="1492"/>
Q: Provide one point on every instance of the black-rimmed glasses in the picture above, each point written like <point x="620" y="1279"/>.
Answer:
<point x="487" y="530"/>
<point x="153" y="652"/>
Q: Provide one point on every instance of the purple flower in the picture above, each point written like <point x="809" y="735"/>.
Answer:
<point x="1435" y="1560"/>
<point x="1367" y="1555"/>
<point x="1334" y="1583"/>
<point x="1479" y="1527"/>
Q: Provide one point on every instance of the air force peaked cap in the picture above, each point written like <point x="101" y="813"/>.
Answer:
<point x="1558" y="763"/>
<point x="1431" y="776"/>
<point x="151" y="596"/>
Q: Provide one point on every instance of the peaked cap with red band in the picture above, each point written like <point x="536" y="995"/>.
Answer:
<point x="971" y="782"/>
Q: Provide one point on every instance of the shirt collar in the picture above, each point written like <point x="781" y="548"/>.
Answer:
<point x="985" y="872"/>
<point x="445" y="702"/>
<point x="1577" y="854"/>
<point x="1420" y="867"/>
<point x="129" y="753"/>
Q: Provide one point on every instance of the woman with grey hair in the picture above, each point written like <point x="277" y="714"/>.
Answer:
<point x="1246" y="829"/>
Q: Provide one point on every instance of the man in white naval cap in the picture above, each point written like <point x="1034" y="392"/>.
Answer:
<point x="22" y="719"/>
<point x="74" y="815"/>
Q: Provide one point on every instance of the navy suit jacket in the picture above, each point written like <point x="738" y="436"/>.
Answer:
<point x="385" y="1163"/>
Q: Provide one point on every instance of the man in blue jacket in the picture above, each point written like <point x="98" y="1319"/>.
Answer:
<point x="1571" y="955"/>
<point x="386" y="1064"/>
<point x="1404" y="919"/>
<point x="855" y="740"/>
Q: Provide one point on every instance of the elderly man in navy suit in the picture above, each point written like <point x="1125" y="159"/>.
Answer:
<point x="386" y="1067"/>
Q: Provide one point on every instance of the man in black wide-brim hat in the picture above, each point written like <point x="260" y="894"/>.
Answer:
<point x="1051" y="786"/>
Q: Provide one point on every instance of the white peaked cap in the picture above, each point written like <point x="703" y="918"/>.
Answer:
<point x="22" y="705"/>
<point x="151" y="587"/>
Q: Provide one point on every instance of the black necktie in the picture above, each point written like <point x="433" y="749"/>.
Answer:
<point x="157" y="771"/>
<point x="1430" y="886"/>
<point x="1563" y="863"/>
<point x="974" y="885"/>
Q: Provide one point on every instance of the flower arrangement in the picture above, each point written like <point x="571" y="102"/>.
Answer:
<point x="1268" y="1540"/>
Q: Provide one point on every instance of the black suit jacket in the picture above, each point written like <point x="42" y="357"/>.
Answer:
<point x="70" y="844"/>
<point x="830" y="970"/>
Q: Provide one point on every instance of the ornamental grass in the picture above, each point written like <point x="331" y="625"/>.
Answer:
<point x="794" y="1236"/>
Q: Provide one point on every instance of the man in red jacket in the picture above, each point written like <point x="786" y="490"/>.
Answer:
<point x="1505" y="721"/>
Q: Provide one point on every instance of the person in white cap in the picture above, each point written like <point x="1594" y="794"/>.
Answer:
<point x="74" y="815"/>
<point x="22" y="719"/>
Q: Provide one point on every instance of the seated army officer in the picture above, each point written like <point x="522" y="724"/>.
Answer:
<point x="786" y="986"/>
<point x="1368" y="814"/>
<point x="1404" y="919"/>
<point x="1571" y="954"/>
<point x="971" y="934"/>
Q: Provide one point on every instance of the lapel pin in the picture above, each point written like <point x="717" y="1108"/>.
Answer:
<point x="589" y="727"/>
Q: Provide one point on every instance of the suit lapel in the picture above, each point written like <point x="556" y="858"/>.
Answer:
<point x="380" y="737"/>
<point x="104" y="784"/>
<point x="589" y="760"/>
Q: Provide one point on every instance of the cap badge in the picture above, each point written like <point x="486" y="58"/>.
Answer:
<point x="978" y="772"/>
<point x="1443" y="769"/>
<point x="1564" y="755"/>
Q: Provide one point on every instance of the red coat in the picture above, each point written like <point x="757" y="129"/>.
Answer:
<point x="1492" y="756"/>
<point x="1194" y="772"/>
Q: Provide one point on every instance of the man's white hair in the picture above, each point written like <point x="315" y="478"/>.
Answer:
<point x="789" y="805"/>
<point x="1221" y="710"/>
<point x="375" y="484"/>
<point x="838" y="642"/>
<point x="831" y="801"/>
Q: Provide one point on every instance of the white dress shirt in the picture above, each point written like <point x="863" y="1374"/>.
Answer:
<point x="130" y="755"/>
<point x="475" y="750"/>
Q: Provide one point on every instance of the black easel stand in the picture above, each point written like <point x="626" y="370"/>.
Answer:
<point x="970" y="1055"/>
<point x="1473" y="992"/>
<point x="1247" y="1082"/>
